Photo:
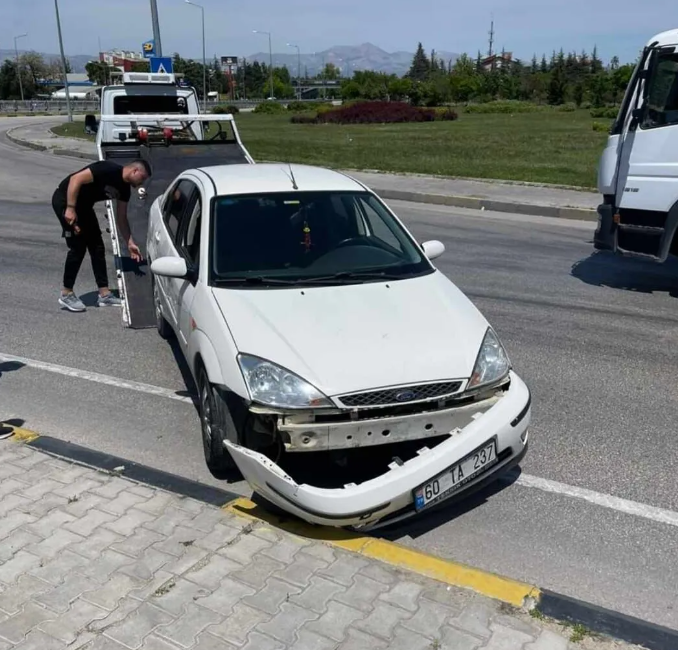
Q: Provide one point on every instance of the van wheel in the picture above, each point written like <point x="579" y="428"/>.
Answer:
<point x="161" y="323"/>
<point x="217" y="426"/>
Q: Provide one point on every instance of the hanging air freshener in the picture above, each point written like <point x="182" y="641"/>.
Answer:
<point x="307" y="237"/>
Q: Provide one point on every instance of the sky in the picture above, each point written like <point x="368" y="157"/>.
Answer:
<point x="617" y="27"/>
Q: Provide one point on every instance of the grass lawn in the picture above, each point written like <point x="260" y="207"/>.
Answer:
<point x="549" y="147"/>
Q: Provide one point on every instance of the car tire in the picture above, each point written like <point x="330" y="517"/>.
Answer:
<point x="161" y="323"/>
<point x="216" y="425"/>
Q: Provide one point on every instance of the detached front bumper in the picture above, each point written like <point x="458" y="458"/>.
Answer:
<point x="390" y="496"/>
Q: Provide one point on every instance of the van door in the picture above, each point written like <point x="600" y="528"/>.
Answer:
<point x="647" y="174"/>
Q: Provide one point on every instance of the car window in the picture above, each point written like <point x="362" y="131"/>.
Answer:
<point x="303" y="235"/>
<point x="176" y="203"/>
<point x="190" y="240"/>
<point x="378" y="227"/>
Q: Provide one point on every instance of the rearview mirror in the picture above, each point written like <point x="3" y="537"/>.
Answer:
<point x="433" y="248"/>
<point x="170" y="267"/>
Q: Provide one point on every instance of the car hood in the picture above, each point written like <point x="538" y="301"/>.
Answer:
<point x="357" y="337"/>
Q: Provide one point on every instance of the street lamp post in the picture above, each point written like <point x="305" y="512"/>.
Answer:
<point x="204" y="66"/>
<point x="63" y="62"/>
<point x="298" y="68"/>
<point x="18" y="67"/>
<point x="270" y="55"/>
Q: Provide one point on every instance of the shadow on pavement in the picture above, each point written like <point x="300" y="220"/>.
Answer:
<point x="605" y="269"/>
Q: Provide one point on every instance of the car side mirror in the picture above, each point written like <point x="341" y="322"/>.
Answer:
<point x="433" y="248"/>
<point x="171" y="267"/>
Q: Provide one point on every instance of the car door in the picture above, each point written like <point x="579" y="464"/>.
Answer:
<point x="188" y="246"/>
<point x="166" y="236"/>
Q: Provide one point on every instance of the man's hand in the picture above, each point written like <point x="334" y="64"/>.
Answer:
<point x="71" y="218"/>
<point x="134" y="251"/>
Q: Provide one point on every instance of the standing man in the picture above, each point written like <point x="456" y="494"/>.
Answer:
<point x="73" y="202"/>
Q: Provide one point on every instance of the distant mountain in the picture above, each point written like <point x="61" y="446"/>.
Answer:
<point x="78" y="62"/>
<point x="350" y="58"/>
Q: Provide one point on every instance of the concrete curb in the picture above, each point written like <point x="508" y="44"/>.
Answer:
<point x="541" y="602"/>
<point x="514" y="207"/>
<point x="471" y="202"/>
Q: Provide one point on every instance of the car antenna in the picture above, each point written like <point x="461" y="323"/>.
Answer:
<point x="294" y="180"/>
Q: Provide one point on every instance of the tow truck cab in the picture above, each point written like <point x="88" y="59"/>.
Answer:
<point x="140" y="93"/>
<point x="638" y="170"/>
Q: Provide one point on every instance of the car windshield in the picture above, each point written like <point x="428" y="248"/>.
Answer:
<point x="310" y="237"/>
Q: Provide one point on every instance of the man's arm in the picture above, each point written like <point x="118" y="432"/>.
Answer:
<point x="74" y="184"/>
<point x="125" y="231"/>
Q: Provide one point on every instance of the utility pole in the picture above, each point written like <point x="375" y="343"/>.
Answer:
<point x="204" y="65"/>
<point x="18" y="65"/>
<point x="270" y="55"/>
<point x="156" y="28"/>
<point x="298" y="68"/>
<point x="63" y="62"/>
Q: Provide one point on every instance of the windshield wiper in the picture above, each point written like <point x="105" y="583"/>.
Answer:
<point x="355" y="275"/>
<point x="254" y="279"/>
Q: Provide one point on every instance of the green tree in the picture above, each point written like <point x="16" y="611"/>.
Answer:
<point x="421" y="65"/>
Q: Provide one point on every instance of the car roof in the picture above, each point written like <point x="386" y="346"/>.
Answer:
<point x="246" y="178"/>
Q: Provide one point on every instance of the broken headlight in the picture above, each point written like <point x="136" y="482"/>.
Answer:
<point x="492" y="364"/>
<point x="271" y="385"/>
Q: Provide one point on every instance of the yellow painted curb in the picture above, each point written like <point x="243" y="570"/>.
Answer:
<point x="515" y="593"/>
<point x="21" y="435"/>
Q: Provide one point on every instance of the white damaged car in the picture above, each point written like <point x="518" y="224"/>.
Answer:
<point x="350" y="382"/>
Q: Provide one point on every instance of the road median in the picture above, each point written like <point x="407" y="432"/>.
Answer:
<point x="496" y="196"/>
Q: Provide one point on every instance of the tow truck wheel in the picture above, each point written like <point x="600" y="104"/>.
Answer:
<point x="216" y="423"/>
<point x="164" y="328"/>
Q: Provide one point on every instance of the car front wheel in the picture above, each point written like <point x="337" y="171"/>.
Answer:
<point x="217" y="426"/>
<point x="161" y="323"/>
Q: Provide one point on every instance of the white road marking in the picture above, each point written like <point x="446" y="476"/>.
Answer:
<point x="98" y="378"/>
<point x="625" y="506"/>
<point x="604" y="500"/>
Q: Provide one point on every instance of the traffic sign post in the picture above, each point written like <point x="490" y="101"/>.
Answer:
<point x="161" y="64"/>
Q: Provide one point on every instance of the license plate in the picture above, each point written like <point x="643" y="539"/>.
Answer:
<point x="453" y="478"/>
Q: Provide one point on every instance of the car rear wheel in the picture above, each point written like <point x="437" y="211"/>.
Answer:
<point x="217" y="425"/>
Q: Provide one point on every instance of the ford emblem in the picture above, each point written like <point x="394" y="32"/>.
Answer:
<point x="405" y="395"/>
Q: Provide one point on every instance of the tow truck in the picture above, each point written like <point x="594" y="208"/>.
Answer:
<point x="151" y="116"/>
<point x="638" y="170"/>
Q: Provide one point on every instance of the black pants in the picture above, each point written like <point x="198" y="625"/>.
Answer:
<point x="88" y="240"/>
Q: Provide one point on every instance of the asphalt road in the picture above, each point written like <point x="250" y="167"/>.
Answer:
<point x="594" y="338"/>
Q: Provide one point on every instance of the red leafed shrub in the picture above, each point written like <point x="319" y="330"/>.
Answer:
<point x="377" y="113"/>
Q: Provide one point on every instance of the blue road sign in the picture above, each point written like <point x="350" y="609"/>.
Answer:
<point x="162" y="64"/>
<point x="148" y="49"/>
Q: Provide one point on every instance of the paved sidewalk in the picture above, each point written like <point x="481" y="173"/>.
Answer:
<point x="90" y="560"/>
<point x="488" y="195"/>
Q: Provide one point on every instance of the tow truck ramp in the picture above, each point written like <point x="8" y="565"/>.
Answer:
<point x="189" y="146"/>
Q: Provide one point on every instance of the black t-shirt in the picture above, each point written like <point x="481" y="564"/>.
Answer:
<point x="107" y="183"/>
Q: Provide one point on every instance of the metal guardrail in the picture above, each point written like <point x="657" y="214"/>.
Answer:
<point x="59" y="107"/>
<point x="48" y="106"/>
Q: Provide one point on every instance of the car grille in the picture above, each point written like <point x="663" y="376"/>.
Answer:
<point x="401" y="395"/>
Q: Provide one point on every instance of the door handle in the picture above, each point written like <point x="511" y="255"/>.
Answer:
<point x="157" y="236"/>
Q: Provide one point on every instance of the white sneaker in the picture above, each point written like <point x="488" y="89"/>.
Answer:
<point x="71" y="302"/>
